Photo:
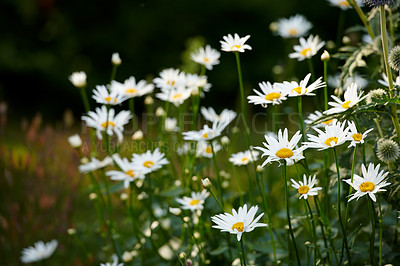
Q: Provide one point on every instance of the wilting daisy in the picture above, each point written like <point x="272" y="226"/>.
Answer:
<point x="351" y="98"/>
<point x="95" y="164"/>
<point x="103" y="96"/>
<point x="354" y="136"/>
<point x="307" y="48"/>
<point x="39" y="251"/>
<point x="234" y="43"/>
<point x="131" y="89"/>
<point x="293" y="89"/>
<point x="195" y="202"/>
<point x="175" y="95"/>
<point x="171" y="124"/>
<point x="282" y="148"/>
<point x="306" y="187"/>
<point x="195" y="82"/>
<point x="270" y="94"/>
<point x="244" y="157"/>
<point x="294" y="27"/>
<point x="204" y="149"/>
<point x="129" y="171"/>
<point x="335" y="134"/>
<point x="209" y="114"/>
<point x="334" y="81"/>
<point x="78" y="79"/>
<point x="149" y="160"/>
<point x="208" y="57"/>
<point x="206" y="133"/>
<point x="170" y="78"/>
<point x="238" y="222"/>
<point x="371" y="182"/>
<point x="344" y="4"/>
<point x="316" y="116"/>
<point x="102" y="120"/>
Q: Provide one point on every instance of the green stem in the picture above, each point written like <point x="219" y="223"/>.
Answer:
<point x="314" y="232"/>
<point x="239" y="253"/>
<point x="216" y="199"/>
<point x="85" y="99"/>
<point x="351" y="188"/>
<point x="132" y="109"/>
<point x="378" y="126"/>
<point x="380" y="231"/>
<point x="311" y="68"/>
<point x="363" y="18"/>
<point x="301" y="121"/>
<point x="243" y="250"/>
<point x="113" y="72"/>
<point x="275" y="117"/>
<point x="326" y="84"/>
<point x="217" y="173"/>
<point x="372" y="236"/>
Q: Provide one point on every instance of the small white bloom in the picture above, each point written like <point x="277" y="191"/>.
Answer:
<point x="114" y="263"/>
<point x="316" y="116"/>
<point x="78" y="79"/>
<point x="148" y="160"/>
<point x="148" y="100"/>
<point x="385" y="81"/>
<point x="334" y="81"/>
<point x="95" y="164"/>
<point x="206" y="182"/>
<point x="115" y="59"/>
<point x="208" y="57"/>
<point x="39" y="251"/>
<point x="127" y="256"/>
<point x="306" y="188"/>
<point x="75" y="141"/>
<point x="307" y="48"/>
<point x="131" y="89"/>
<point x="344" y="4"/>
<point x="175" y="211"/>
<point x="234" y="43"/>
<point x="370" y="183"/>
<point x="238" y="222"/>
<point x="244" y="157"/>
<point x="175" y="95"/>
<point x="351" y="98"/>
<point x="335" y="134"/>
<point x="294" y="27"/>
<point x="205" y="150"/>
<point x="293" y="89"/>
<point x="171" y="125"/>
<point x="170" y="78"/>
<point x="270" y="94"/>
<point x="160" y="111"/>
<point x="209" y="114"/>
<point x="195" y="202"/>
<point x="354" y="136"/>
<point x="225" y="140"/>
<point x="138" y="135"/>
<point x="325" y="56"/>
<point x="103" y="96"/>
<point x="195" y="82"/>
<point x="206" y="133"/>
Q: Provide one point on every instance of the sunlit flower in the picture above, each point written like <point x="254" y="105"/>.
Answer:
<point x="344" y="4"/>
<point x="234" y="43"/>
<point x="370" y="183"/>
<point x="175" y="95"/>
<point x="171" y="124"/>
<point x="149" y="160"/>
<point x="75" y="141"/>
<point x="351" y="98"/>
<point x="270" y="94"/>
<point x="281" y="148"/>
<point x="307" y="48"/>
<point x="335" y="134"/>
<point x="195" y="202"/>
<point x="131" y="89"/>
<point x="208" y="57"/>
<point x="204" y="149"/>
<point x="238" y="222"/>
<point x="95" y="164"/>
<point x="293" y="89"/>
<point x="115" y="59"/>
<point x="170" y="78"/>
<point x="102" y="120"/>
<point x="354" y="136"/>
<point x="387" y="150"/>
<point x="306" y="187"/>
<point x="334" y="81"/>
<point x="103" y="96"/>
<point x="206" y="133"/>
<point x="209" y="114"/>
<point x="294" y="27"/>
<point x="316" y="116"/>
<point x="244" y="157"/>
<point x="114" y="263"/>
<point x="78" y="79"/>
<point x="39" y="251"/>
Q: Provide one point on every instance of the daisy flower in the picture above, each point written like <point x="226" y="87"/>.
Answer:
<point x="114" y="263"/>
<point x="195" y="202"/>
<point x="335" y="134"/>
<point x="307" y="48"/>
<point x="208" y="57"/>
<point x="244" y="157"/>
<point x="209" y="114"/>
<point x="270" y="94"/>
<point x="344" y="4"/>
<point x="175" y="95"/>
<point x="334" y="81"/>
<point x="102" y="96"/>
<point x="39" y="251"/>
<point x="282" y="148"/>
<point x="170" y="78"/>
<point x="171" y="125"/>
<point x="354" y="136"/>
<point x="206" y="133"/>
<point x="194" y="82"/>
<point x="238" y="222"/>
<point x="293" y="88"/>
<point x="316" y="116"/>
<point x="351" y="98"/>
<point x="294" y="27"/>
<point x="102" y="120"/>
<point x="95" y="164"/>
<point x="306" y="188"/>
<point x="204" y="149"/>
<point x="149" y="160"/>
<point x="131" y="89"/>
<point x="234" y="43"/>
<point x="129" y="171"/>
<point x="370" y="183"/>
<point x="385" y="81"/>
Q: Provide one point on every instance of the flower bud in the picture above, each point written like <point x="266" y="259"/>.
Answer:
<point x="175" y="211"/>
<point x="138" y="135"/>
<point x="225" y="140"/>
<point x="325" y="56"/>
<point x="75" y="141"/>
<point x="274" y="26"/>
<point x="259" y="169"/>
<point x="206" y="182"/>
<point x="127" y="257"/>
<point x="394" y="58"/>
<point x="78" y="79"/>
<point x="71" y="231"/>
<point x="148" y="100"/>
<point x="115" y="59"/>
<point x="92" y="196"/>
<point x="160" y="111"/>
<point x="123" y="196"/>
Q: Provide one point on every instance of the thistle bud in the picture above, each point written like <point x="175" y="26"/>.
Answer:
<point x="387" y="150"/>
<point x="394" y="58"/>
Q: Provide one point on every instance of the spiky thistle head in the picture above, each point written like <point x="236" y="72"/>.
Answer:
<point x="375" y="94"/>
<point x="378" y="3"/>
<point x="394" y="58"/>
<point x="387" y="150"/>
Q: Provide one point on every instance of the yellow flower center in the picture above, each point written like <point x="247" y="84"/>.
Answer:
<point x="305" y="51"/>
<point x="208" y="150"/>
<point x="327" y="122"/>
<point x="346" y="104"/>
<point x="238" y="226"/>
<point x="329" y="140"/>
<point x="177" y="96"/>
<point x="206" y="60"/>
<point x="284" y="153"/>
<point x="194" y="202"/>
<point x="131" y="90"/>
<point x="344" y="3"/>
<point x="171" y="82"/>
<point x="148" y="164"/>
<point x="108" y="99"/>
<point x="130" y="173"/>
<point x="245" y="160"/>
<point x="357" y="136"/>
<point x="293" y="32"/>
<point x="109" y="123"/>
<point x="303" y="189"/>
<point x="273" y="95"/>
<point x="367" y="186"/>
<point x="298" y="90"/>
<point x="205" y="135"/>
<point x="235" y="47"/>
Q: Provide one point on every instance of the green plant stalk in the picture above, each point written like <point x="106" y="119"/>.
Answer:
<point x="326" y="197"/>
<point x="339" y="209"/>
<point x="322" y="227"/>
<point x="378" y="126"/>
<point x="288" y="214"/>
<point x="275" y="117"/>
<point x="217" y="173"/>
<point x="251" y="185"/>
<point x="351" y="188"/>
<point x="363" y="18"/>
<point x="311" y="68"/>
<point x="216" y="199"/>
<point x="85" y="99"/>
<point x="243" y="250"/>
<point x="239" y="253"/>
<point x="326" y="84"/>
<point x="380" y="219"/>
<point x="314" y="232"/>
<point x="132" y="109"/>
<point x="301" y="121"/>
<point x="113" y="72"/>
<point x="372" y="237"/>
<point x="133" y="217"/>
